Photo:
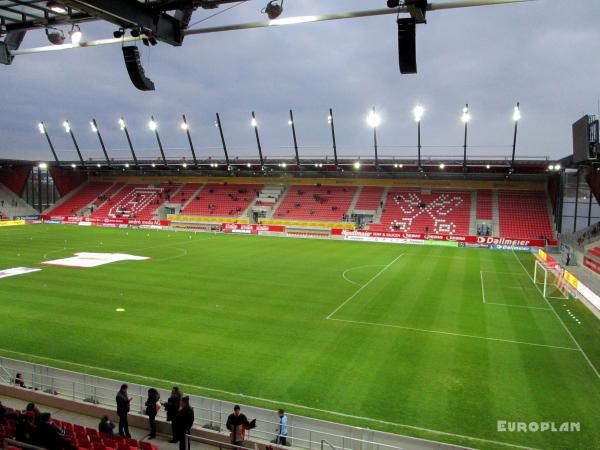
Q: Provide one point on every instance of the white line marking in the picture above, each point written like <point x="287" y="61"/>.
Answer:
<point x="482" y="289"/>
<point x="363" y="286"/>
<point x="276" y="402"/>
<point x="519" y="306"/>
<point x="562" y="323"/>
<point x="447" y="333"/>
<point x="357" y="267"/>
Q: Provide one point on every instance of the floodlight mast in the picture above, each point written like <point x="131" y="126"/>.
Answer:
<point x="331" y="124"/>
<point x="43" y="130"/>
<point x="254" y="124"/>
<point x="466" y="118"/>
<point x="293" y="125"/>
<point x="69" y="130"/>
<point x="222" y="139"/>
<point x="374" y="120"/>
<point x="123" y="126"/>
<point x="516" y="117"/>
<point x="418" y="112"/>
<point x="153" y="125"/>
<point x="96" y="130"/>
<point x="186" y="128"/>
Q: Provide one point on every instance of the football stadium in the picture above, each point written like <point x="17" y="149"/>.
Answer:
<point x="373" y="291"/>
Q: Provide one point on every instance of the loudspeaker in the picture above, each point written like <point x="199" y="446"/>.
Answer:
<point x="131" y="54"/>
<point x="407" y="45"/>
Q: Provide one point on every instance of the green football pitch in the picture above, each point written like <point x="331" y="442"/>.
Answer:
<point x="440" y="343"/>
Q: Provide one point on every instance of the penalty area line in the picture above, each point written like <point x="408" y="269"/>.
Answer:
<point x="345" y="302"/>
<point x="276" y="402"/>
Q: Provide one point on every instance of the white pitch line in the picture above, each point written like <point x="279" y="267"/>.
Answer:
<point x="447" y="333"/>
<point x="363" y="286"/>
<point x="357" y="267"/>
<point x="562" y="323"/>
<point x="267" y="400"/>
<point x="519" y="306"/>
<point x="482" y="289"/>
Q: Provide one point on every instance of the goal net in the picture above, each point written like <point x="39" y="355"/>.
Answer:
<point x="550" y="281"/>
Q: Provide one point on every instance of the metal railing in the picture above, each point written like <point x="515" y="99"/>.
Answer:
<point x="210" y="414"/>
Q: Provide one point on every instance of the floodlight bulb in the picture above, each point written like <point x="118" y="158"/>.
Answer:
<point x="284" y="165"/>
<point x="442" y="166"/>
<point x="42" y="165"/>
<point x="184" y="165"/>
<point x="73" y="166"/>
<point x="41" y="128"/>
<point x="184" y="126"/>
<point x="122" y="124"/>
<point x="253" y="122"/>
<point x="76" y="35"/>
<point x="127" y="166"/>
<point x="516" y="114"/>
<point x="153" y="165"/>
<point x="94" y="128"/>
<point x="373" y="119"/>
<point x="290" y="122"/>
<point x="550" y="167"/>
<point x="557" y="167"/>
<point x="487" y="166"/>
<point x="98" y="165"/>
<point x="57" y="7"/>
<point x="400" y="166"/>
<point x="466" y="116"/>
<point x="152" y="125"/>
<point x="248" y="165"/>
<point x="357" y="165"/>
<point x="66" y="126"/>
<point x="418" y="112"/>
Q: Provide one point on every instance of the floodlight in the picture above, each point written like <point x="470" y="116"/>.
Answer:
<point x="153" y="165"/>
<point x="152" y="125"/>
<point x="57" y="7"/>
<point x="98" y="165"/>
<point x="550" y="167"/>
<point x="273" y="9"/>
<point x="329" y="118"/>
<point x="418" y="112"/>
<point x="373" y="119"/>
<point x="127" y="166"/>
<point x="66" y="126"/>
<point x="557" y="167"/>
<point x="253" y="122"/>
<point x="487" y="166"/>
<point x="290" y="122"/>
<point x="75" y="34"/>
<point x="293" y="20"/>
<point x="43" y="165"/>
<point x="41" y="128"/>
<point x="284" y="165"/>
<point x="184" y="165"/>
<point x="94" y="128"/>
<point x="184" y="126"/>
<point x="122" y="123"/>
<point x="442" y="166"/>
<point x="248" y="165"/>
<point x="56" y="37"/>
<point x="516" y="114"/>
<point x="466" y="116"/>
<point x="73" y="166"/>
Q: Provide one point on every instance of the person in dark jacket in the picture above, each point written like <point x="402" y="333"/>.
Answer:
<point x="106" y="426"/>
<point x="122" y="409"/>
<point x="25" y="431"/>
<point x="237" y="424"/>
<point x="50" y="436"/>
<point x="183" y="422"/>
<point x="152" y="406"/>
<point x="172" y="407"/>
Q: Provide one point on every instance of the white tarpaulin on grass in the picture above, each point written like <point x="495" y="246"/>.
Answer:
<point x="85" y="259"/>
<point x="5" y="273"/>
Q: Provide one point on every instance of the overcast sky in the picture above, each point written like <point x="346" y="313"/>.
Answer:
<point x="543" y="54"/>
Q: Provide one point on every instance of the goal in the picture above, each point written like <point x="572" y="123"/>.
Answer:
<point x="550" y="281"/>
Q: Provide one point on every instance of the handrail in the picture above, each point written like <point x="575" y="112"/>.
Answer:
<point x="208" y="417"/>
<point x="325" y="441"/>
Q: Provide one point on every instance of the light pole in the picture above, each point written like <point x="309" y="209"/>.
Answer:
<point x="95" y="129"/>
<point x="69" y="130"/>
<point x="123" y="126"/>
<point x="516" y="117"/>
<point x="43" y="130"/>
<point x="153" y="126"/>
<point x="465" y="118"/>
<point x="418" y="112"/>
<point x="374" y="120"/>
<point x="185" y="127"/>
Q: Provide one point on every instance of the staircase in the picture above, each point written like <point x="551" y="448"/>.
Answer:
<point x="354" y="200"/>
<point x="473" y="221"/>
<point x="276" y="205"/>
<point x="495" y="215"/>
<point x="21" y="208"/>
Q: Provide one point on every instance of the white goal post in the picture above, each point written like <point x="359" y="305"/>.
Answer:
<point x="550" y="281"/>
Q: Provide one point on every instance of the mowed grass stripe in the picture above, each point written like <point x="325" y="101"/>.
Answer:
<point x="268" y="337"/>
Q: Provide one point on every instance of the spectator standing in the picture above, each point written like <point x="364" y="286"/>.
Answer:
<point x="172" y="407"/>
<point x="183" y="422"/>
<point x="122" y="409"/>
<point x="106" y="426"/>
<point x="282" y="430"/>
<point x="152" y="407"/>
<point x="237" y="424"/>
